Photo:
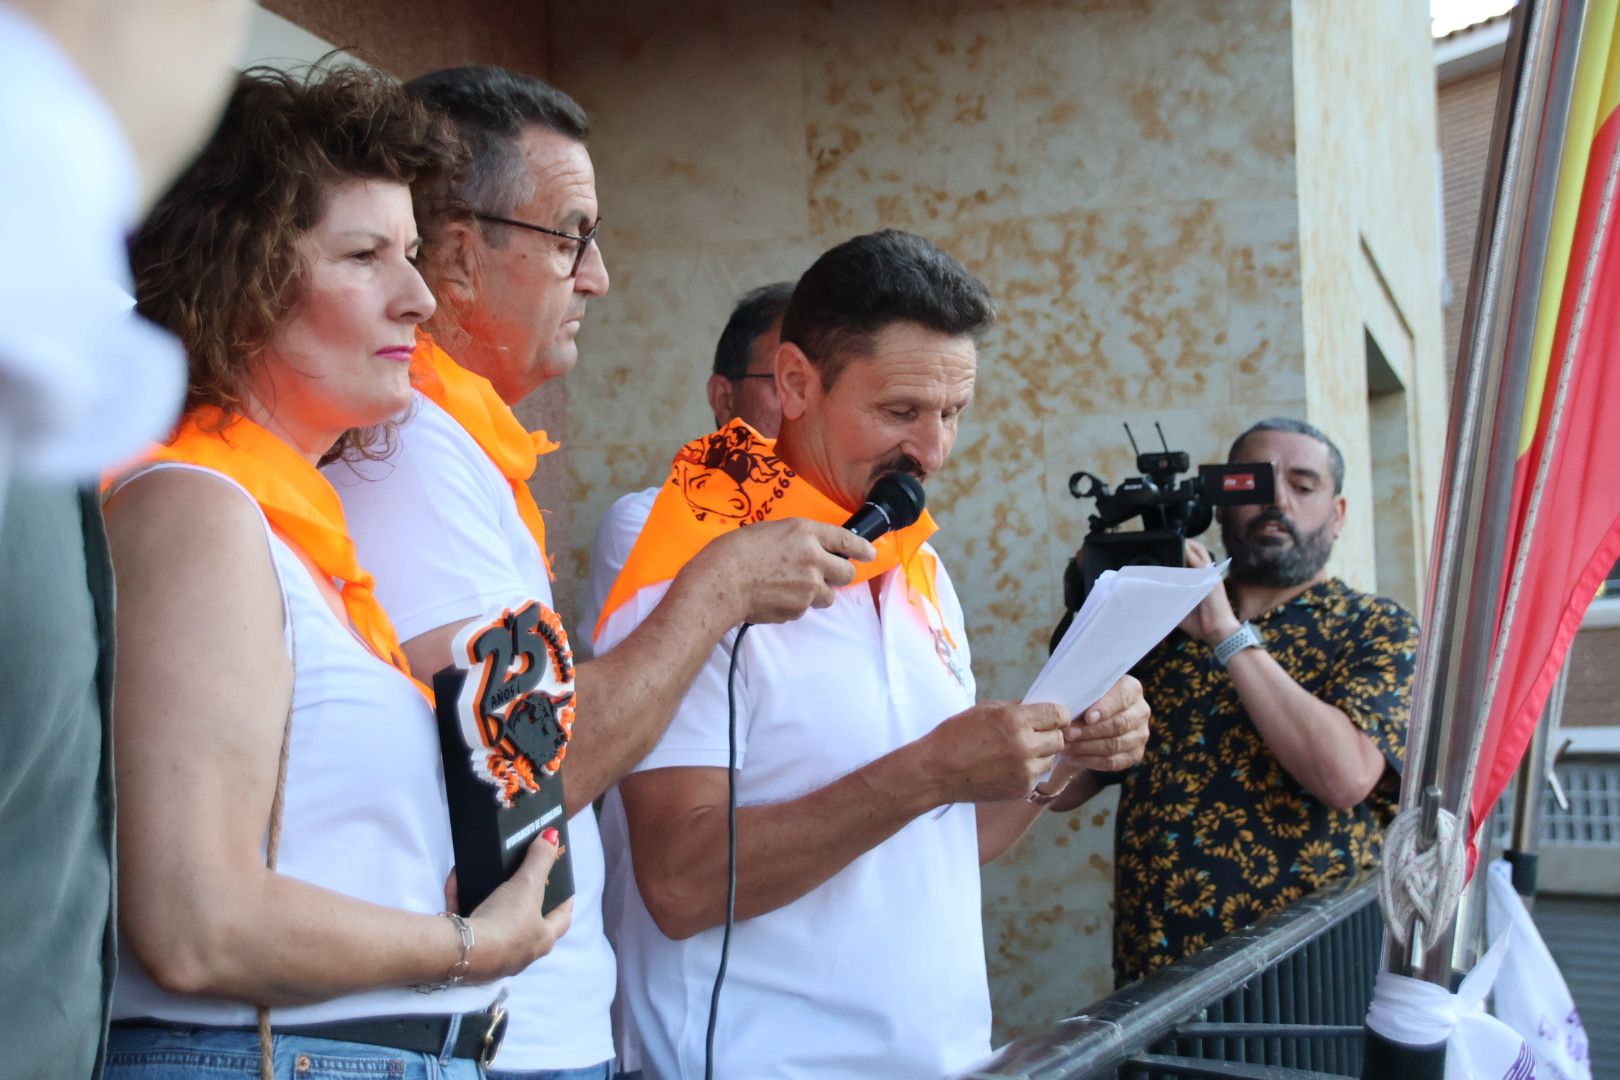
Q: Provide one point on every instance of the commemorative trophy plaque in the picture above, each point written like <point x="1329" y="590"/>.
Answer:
<point x="505" y="709"/>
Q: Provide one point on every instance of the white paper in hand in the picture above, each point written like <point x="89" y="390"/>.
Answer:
<point x="1126" y="613"/>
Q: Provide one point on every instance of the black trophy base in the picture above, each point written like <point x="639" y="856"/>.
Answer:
<point x="490" y="840"/>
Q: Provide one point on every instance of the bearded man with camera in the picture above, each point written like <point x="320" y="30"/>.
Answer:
<point x="1279" y="718"/>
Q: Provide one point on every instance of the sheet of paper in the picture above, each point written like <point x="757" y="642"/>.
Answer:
<point x="1127" y="613"/>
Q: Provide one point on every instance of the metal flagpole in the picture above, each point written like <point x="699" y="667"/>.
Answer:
<point x="1426" y="844"/>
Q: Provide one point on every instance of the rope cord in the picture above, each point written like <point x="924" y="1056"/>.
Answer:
<point x="1418" y="883"/>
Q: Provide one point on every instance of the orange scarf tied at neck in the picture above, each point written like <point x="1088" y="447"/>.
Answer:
<point x="300" y="505"/>
<point x="472" y="402"/>
<point x="733" y="478"/>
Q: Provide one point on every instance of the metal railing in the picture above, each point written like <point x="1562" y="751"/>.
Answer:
<point x="1284" y="999"/>
<point x="1590" y="815"/>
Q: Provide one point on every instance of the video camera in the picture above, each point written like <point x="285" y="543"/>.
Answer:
<point x="1171" y="512"/>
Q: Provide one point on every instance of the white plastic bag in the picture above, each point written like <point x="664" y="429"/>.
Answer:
<point x="1531" y="995"/>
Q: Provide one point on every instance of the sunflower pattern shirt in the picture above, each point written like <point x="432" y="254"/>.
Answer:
<point x="1211" y="832"/>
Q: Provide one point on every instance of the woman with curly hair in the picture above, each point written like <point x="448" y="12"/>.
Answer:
<point x="284" y="844"/>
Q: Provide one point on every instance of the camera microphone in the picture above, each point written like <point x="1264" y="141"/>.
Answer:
<point x="894" y="502"/>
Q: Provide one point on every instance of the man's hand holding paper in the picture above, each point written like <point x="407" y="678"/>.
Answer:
<point x="1126" y="614"/>
<point x="1213" y="619"/>
<point x="1110" y="735"/>
<point x="992" y="751"/>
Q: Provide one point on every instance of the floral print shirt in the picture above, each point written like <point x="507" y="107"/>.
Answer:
<point x="1211" y="833"/>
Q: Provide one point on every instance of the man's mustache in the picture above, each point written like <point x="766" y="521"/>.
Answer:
<point x="902" y="463"/>
<point x="1273" y="516"/>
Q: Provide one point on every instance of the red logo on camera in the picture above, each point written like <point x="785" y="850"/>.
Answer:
<point x="1237" y="482"/>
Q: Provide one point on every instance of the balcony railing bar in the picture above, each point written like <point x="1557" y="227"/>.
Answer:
<point x="1164" y="1065"/>
<point x="1200" y="1029"/>
<point x="1286" y="996"/>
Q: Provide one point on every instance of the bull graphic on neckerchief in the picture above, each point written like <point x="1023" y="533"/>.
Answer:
<point x="730" y="474"/>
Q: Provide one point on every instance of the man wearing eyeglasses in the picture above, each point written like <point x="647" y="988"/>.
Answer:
<point x="743" y="385"/>
<point x="450" y="528"/>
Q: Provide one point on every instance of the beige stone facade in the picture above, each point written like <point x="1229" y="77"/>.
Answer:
<point x="1198" y="214"/>
<point x="1194" y="213"/>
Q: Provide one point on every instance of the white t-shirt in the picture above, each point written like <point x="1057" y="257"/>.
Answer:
<point x="879" y="971"/>
<point x="436" y="523"/>
<point x="364" y="814"/>
<point x="616" y="535"/>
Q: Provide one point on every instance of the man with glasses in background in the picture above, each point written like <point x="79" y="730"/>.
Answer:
<point x="451" y="530"/>
<point x="742" y="387"/>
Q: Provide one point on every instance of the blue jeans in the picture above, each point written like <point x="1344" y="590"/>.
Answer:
<point x="192" y="1053"/>
<point x="603" y="1071"/>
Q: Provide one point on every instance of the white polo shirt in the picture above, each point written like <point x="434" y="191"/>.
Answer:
<point x="436" y="524"/>
<point x="616" y="536"/>
<point x="880" y="971"/>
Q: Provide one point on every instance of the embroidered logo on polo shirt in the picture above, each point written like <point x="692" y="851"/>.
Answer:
<point x="948" y="652"/>
<point x="950" y="656"/>
<point x="517" y="704"/>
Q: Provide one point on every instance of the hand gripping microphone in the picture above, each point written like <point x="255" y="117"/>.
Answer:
<point x="894" y="502"/>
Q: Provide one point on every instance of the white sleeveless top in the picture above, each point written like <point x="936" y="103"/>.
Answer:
<point x="365" y="811"/>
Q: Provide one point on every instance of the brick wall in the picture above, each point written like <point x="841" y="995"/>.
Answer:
<point x="410" y="37"/>
<point x="1467" y="107"/>
<point x="1594" y="679"/>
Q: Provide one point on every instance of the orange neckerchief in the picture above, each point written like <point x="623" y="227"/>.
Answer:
<point x="733" y="478"/>
<point x="473" y="403"/>
<point x="300" y="505"/>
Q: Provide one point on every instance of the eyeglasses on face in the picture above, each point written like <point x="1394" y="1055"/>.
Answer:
<point x="583" y="241"/>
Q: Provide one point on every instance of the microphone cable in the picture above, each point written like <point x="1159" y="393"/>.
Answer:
<point x="895" y="501"/>
<point x="731" y="850"/>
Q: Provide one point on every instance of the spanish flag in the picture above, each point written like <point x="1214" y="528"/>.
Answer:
<point x="1564" y="532"/>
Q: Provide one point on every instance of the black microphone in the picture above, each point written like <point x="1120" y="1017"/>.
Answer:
<point x="894" y="502"/>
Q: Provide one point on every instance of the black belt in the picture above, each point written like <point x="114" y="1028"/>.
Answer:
<point x="478" y="1039"/>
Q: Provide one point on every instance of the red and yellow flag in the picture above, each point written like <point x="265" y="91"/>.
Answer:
<point x="1564" y="532"/>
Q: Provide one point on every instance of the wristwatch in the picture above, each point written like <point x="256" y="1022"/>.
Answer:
<point x="1245" y="637"/>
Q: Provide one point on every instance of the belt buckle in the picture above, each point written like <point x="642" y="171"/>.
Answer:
<point x="494" y="1034"/>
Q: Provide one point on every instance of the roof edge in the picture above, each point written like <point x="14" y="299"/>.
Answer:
<point x="1468" y="51"/>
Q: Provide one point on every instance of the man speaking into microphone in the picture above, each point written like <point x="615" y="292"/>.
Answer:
<point x="870" y="785"/>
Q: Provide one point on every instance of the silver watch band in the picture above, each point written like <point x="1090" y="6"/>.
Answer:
<point x="1245" y="637"/>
